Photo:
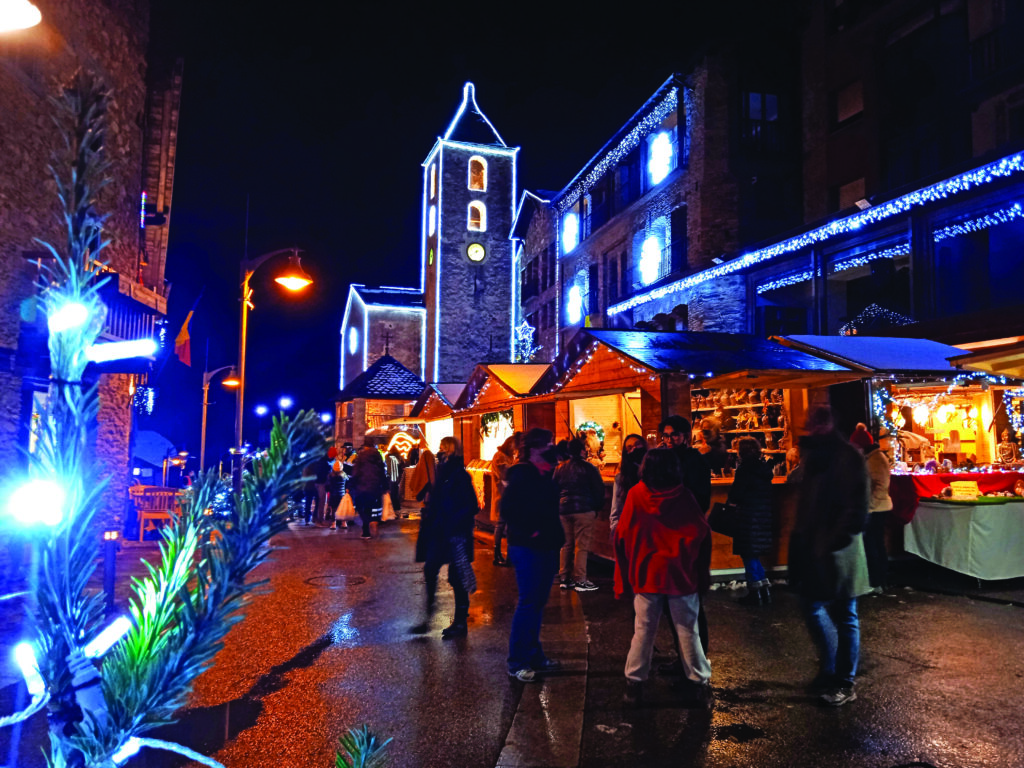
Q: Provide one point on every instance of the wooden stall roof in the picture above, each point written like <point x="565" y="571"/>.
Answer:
<point x="878" y="354"/>
<point x="434" y="403"/>
<point x="496" y="383"/>
<point x="999" y="360"/>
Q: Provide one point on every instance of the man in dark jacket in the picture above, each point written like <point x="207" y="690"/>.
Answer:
<point x="677" y="434"/>
<point x="368" y="484"/>
<point x="827" y="565"/>
<point x="581" y="495"/>
<point x="529" y="506"/>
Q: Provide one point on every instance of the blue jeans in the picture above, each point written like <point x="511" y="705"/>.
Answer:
<point x="535" y="572"/>
<point x="754" y="570"/>
<point x="835" y="630"/>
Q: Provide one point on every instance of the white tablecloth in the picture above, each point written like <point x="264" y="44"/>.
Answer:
<point x="985" y="541"/>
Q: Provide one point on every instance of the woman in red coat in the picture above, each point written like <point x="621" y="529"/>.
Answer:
<point x="663" y="553"/>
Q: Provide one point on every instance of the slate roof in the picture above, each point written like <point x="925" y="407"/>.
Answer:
<point x="386" y="379"/>
<point x="881" y="353"/>
<point x="398" y="297"/>
<point x="704" y="354"/>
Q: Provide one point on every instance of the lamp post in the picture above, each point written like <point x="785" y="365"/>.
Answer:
<point x="231" y="380"/>
<point x="294" y="279"/>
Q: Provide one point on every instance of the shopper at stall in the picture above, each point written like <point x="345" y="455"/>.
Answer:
<point x="581" y="495"/>
<point x="529" y="506"/>
<point x="446" y="537"/>
<point x="877" y="461"/>
<point x="368" y="485"/>
<point x="663" y="558"/>
<point x="751" y="493"/>
<point x="713" y="449"/>
<point x="827" y="565"/>
<point x="504" y="458"/>
<point x="634" y="450"/>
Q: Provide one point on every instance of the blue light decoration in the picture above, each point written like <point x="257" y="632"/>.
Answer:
<point x="144" y="399"/>
<point x="993" y="219"/>
<point x="650" y="259"/>
<point x="119" y="350"/>
<point x="142" y="211"/>
<point x="570" y="231"/>
<point x="1011" y="165"/>
<point x="353" y="340"/>
<point x="869" y="316"/>
<point x="793" y="278"/>
<point x="574" y="304"/>
<point x="659" y="165"/>
<point x="524" y="349"/>
<point x="630" y="141"/>
<point x="1015" y="414"/>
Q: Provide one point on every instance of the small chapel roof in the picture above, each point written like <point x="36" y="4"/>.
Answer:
<point x="386" y="379"/>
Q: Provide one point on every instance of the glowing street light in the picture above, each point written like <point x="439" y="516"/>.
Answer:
<point x="285" y="402"/>
<point x="232" y="381"/>
<point x="37" y="501"/>
<point x="18" y="14"/>
<point x="261" y="410"/>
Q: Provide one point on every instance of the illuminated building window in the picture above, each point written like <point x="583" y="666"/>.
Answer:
<point x="432" y="221"/>
<point x="477" y="216"/>
<point x="478" y="174"/>
<point x="570" y="232"/>
<point x="661" y="156"/>
<point x="353" y="341"/>
<point x="433" y="181"/>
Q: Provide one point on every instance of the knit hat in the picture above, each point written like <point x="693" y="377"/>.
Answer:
<point x="861" y="437"/>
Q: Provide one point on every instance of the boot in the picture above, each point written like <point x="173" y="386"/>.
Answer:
<point x="753" y="597"/>
<point x="765" y="594"/>
<point x="373" y="530"/>
<point x="457" y="628"/>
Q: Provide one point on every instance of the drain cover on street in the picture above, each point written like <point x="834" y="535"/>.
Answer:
<point x="339" y="581"/>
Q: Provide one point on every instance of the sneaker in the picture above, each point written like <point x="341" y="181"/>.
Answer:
<point x="634" y="693"/>
<point x="586" y="586"/>
<point x="524" y="675"/>
<point x="334" y="527"/>
<point x="548" y="665"/>
<point x="366" y="538"/>
<point x="566" y="585"/>
<point x="839" y="696"/>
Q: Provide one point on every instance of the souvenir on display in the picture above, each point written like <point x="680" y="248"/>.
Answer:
<point x="755" y="396"/>
<point x="730" y="397"/>
<point x="742" y="396"/>
<point x="777" y="396"/>
<point x="752" y="421"/>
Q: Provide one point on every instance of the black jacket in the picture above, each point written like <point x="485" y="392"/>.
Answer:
<point x="450" y="514"/>
<point x="580" y="487"/>
<point x="369" y="480"/>
<point x="751" y="492"/>
<point x="696" y="475"/>
<point x="529" y="505"/>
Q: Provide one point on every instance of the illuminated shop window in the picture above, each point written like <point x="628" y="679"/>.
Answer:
<point x="433" y="181"/>
<point x="570" y="232"/>
<point x="432" y="221"/>
<point x="477" y="216"/>
<point x="478" y="174"/>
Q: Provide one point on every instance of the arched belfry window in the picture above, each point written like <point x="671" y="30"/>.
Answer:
<point x="478" y="173"/>
<point x="477" y="216"/>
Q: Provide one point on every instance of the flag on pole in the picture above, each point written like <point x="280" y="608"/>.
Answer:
<point x="183" y="343"/>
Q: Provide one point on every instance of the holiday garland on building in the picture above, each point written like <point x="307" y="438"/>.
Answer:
<point x="100" y="702"/>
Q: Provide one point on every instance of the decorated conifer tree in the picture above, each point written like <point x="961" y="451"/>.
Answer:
<point x="106" y="685"/>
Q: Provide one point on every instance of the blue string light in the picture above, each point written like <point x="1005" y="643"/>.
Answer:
<point x="1011" y="165"/>
<point x="994" y="219"/>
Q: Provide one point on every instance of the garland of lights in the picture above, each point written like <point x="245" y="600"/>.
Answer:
<point x="1011" y="165"/>
<point x="1016" y="415"/>
<point x="652" y="120"/>
<point x="873" y="312"/>
<point x="862" y="260"/>
<point x="994" y="219"/>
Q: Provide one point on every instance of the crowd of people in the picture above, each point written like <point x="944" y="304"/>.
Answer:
<point x="545" y="500"/>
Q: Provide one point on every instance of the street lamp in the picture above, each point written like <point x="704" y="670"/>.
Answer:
<point x="231" y="380"/>
<point x="18" y="14"/>
<point x="294" y="278"/>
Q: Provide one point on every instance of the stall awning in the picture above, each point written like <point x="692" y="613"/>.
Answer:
<point x="1001" y="360"/>
<point x="781" y="379"/>
<point x="879" y="354"/>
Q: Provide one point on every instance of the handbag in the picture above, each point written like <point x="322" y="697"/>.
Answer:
<point x="389" y="509"/>
<point x="346" y="510"/>
<point x="724" y="519"/>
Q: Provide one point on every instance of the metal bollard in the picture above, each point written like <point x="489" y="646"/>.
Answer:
<point x="111" y="545"/>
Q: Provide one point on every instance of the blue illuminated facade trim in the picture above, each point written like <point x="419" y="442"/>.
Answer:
<point x="1007" y="167"/>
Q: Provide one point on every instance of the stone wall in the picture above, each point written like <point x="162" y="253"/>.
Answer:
<point x="404" y="332"/>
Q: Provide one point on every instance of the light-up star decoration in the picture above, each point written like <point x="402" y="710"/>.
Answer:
<point x="650" y="260"/>
<point x="574" y="304"/>
<point x="570" y="232"/>
<point x="660" y="163"/>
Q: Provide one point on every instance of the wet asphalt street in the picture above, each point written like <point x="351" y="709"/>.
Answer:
<point x="328" y="647"/>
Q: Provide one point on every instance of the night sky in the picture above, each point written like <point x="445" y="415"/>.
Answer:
<point x="320" y="115"/>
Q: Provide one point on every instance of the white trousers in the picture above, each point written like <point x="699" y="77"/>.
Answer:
<point x="683" y="612"/>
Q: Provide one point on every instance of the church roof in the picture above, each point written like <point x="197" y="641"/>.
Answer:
<point x="389" y="296"/>
<point x="470" y="125"/>
<point x="386" y="379"/>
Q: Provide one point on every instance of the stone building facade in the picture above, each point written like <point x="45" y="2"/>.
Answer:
<point x="110" y="41"/>
<point x="380" y="321"/>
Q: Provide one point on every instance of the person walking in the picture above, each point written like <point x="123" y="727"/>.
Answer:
<point x="529" y="506"/>
<point x="395" y="466"/>
<point x="827" y="564"/>
<point x="335" y="488"/>
<point x="879" y="469"/>
<point x="504" y="458"/>
<point x="581" y="495"/>
<point x="368" y="484"/>
<point x="321" y="475"/>
<point x="663" y="558"/>
<point x="751" y="493"/>
<point x="634" y="450"/>
<point x="447" y="537"/>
